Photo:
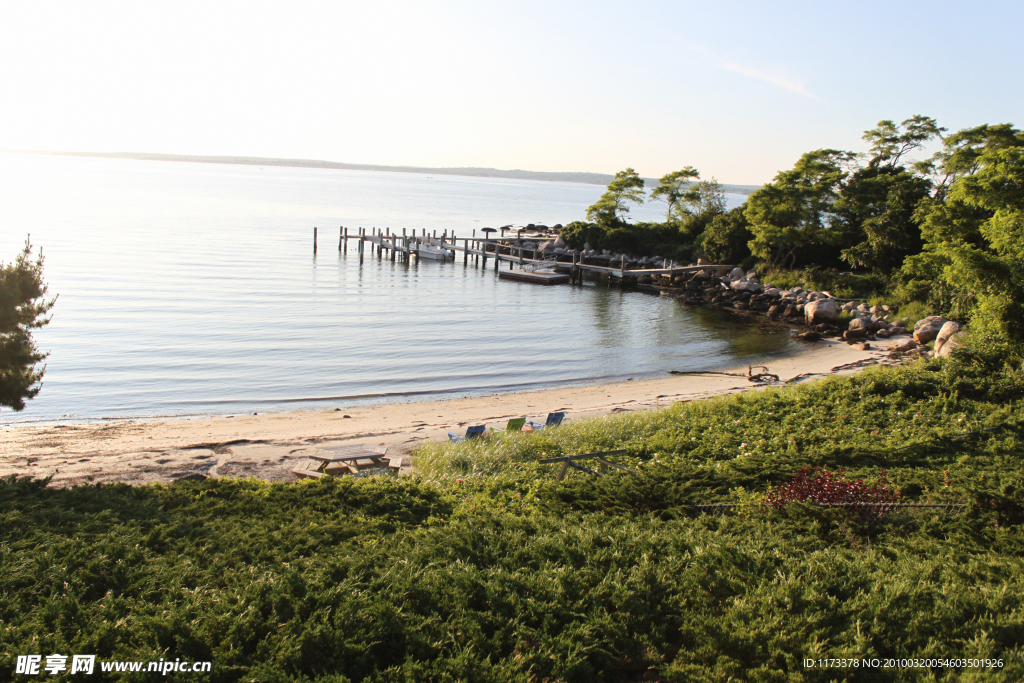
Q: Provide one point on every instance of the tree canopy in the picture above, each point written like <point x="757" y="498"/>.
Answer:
<point x="625" y="188"/>
<point x="675" y="189"/>
<point x="23" y="308"/>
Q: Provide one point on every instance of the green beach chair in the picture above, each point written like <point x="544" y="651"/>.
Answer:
<point x="514" y="425"/>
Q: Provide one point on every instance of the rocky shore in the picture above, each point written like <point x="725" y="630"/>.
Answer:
<point x="823" y="315"/>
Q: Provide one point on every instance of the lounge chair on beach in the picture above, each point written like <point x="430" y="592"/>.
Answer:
<point x="554" y="419"/>
<point x="471" y="433"/>
<point x="514" y="425"/>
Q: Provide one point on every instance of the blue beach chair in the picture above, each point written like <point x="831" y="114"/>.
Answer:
<point x="471" y="433"/>
<point x="554" y="419"/>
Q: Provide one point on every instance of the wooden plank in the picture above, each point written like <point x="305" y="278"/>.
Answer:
<point x="563" y="470"/>
<point x="309" y="474"/>
<point x="581" y="468"/>
<point x="354" y="452"/>
<point x="613" y="464"/>
<point x="579" y="456"/>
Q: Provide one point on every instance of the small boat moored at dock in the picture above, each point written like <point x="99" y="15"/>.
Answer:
<point x="432" y="252"/>
<point x="538" y="276"/>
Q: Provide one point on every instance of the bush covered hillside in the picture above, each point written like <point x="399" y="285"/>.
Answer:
<point x="484" y="568"/>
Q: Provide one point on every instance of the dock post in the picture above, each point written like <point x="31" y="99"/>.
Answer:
<point x="314" y="240"/>
<point x="360" y="244"/>
<point x="341" y="239"/>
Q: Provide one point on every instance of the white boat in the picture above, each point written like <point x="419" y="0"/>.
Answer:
<point x="432" y="252"/>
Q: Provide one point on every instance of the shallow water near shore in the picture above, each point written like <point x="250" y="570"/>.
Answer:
<point x="192" y="289"/>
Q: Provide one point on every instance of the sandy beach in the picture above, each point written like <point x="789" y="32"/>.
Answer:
<point x="267" y="445"/>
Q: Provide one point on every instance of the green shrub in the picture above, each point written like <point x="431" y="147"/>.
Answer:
<point x="485" y="568"/>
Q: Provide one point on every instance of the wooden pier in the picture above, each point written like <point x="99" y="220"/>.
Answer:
<point x="511" y="250"/>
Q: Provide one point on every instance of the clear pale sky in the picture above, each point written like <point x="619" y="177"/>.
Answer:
<point x="737" y="89"/>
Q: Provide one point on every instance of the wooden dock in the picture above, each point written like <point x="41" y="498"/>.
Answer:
<point x="510" y="250"/>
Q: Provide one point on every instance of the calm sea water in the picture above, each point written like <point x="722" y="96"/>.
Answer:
<point x="192" y="289"/>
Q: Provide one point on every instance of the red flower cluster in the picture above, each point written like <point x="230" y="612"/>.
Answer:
<point x="820" y="486"/>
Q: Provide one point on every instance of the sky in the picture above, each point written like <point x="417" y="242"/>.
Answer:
<point x="738" y="90"/>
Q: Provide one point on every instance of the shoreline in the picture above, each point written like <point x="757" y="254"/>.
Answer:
<point x="268" y="445"/>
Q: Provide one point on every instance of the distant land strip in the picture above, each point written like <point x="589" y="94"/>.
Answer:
<point x="563" y="177"/>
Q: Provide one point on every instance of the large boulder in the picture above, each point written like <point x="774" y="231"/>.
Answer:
<point x="947" y="340"/>
<point x="746" y="286"/>
<point x="736" y="274"/>
<point x="904" y="346"/>
<point x="861" y="326"/>
<point x="821" y="311"/>
<point x="559" y="242"/>
<point x="928" y="328"/>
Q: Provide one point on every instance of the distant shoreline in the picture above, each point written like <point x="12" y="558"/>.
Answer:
<point x="473" y="172"/>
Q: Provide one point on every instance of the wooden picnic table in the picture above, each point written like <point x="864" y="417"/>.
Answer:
<point x="350" y="460"/>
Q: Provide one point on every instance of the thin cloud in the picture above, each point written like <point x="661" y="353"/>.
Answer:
<point x="775" y="79"/>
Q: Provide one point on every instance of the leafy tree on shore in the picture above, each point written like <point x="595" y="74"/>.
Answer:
<point x="878" y="203"/>
<point x="878" y="207"/>
<point x="23" y="308"/>
<point x="793" y="213"/>
<point x="971" y="265"/>
<point x="675" y="189"/>
<point x="612" y="207"/>
<point x="705" y="201"/>
<point x="994" y="273"/>
<point x="891" y="142"/>
<point x="725" y="238"/>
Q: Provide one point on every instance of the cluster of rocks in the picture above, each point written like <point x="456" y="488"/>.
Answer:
<point x="821" y="312"/>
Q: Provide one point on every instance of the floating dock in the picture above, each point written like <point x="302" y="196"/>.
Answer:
<point x="537" y="277"/>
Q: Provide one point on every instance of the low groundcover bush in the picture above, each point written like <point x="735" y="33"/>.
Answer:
<point x="484" y="568"/>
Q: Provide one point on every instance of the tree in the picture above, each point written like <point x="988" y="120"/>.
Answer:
<point x="992" y="274"/>
<point x="878" y="206"/>
<point x="673" y="189"/>
<point x="702" y="202"/>
<point x="961" y="151"/>
<point x="23" y="308"/>
<point x="794" y="212"/>
<point x="725" y="238"/>
<point x="612" y="207"/>
<point x="889" y="142"/>
<point x="960" y="270"/>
